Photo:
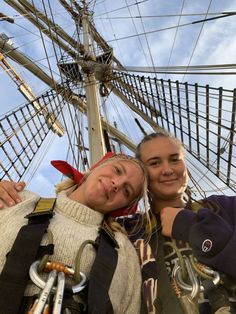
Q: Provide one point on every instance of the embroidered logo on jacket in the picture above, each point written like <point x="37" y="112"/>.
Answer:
<point x="206" y="245"/>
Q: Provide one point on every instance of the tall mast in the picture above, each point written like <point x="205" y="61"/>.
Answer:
<point x="96" y="142"/>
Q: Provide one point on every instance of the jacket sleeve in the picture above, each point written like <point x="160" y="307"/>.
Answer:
<point x="212" y="236"/>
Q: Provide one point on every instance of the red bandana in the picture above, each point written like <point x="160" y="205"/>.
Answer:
<point x="77" y="176"/>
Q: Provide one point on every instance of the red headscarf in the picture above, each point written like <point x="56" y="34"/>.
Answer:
<point x="77" y="176"/>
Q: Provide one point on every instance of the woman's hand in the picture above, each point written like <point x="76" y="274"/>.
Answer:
<point x="9" y="192"/>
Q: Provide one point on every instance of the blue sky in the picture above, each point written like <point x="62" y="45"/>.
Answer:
<point x="211" y="43"/>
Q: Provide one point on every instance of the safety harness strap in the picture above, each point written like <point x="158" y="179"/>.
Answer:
<point x="102" y="273"/>
<point x="14" y="276"/>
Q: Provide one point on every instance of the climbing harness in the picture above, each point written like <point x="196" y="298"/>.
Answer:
<point x="56" y="295"/>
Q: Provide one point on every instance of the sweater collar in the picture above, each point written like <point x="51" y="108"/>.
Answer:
<point x="79" y="212"/>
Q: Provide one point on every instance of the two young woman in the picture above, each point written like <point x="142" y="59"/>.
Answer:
<point x="205" y="229"/>
<point x="112" y="188"/>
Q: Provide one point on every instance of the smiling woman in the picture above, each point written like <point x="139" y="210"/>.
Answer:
<point x="112" y="187"/>
<point x="165" y="160"/>
<point x="114" y="184"/>
<point x="184" y="232"/>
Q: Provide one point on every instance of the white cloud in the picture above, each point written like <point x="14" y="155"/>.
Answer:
<point x="42" y="185"/>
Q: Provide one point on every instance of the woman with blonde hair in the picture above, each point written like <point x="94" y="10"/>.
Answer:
<point x="112" y="188"/>
<point x="184" y="232"/>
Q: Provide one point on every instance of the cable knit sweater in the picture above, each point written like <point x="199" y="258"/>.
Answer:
<point x="72" y="224"/>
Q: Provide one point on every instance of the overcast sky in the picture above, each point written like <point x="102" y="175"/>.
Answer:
<point x="199" y="44"/>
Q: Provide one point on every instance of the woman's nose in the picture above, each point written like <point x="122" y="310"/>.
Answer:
<point x="167" y="170"/>
<point x="115" y="185"/>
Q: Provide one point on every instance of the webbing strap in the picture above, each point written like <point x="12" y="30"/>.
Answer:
<point x="14" y="276"/>
<point x="101" y="276"/>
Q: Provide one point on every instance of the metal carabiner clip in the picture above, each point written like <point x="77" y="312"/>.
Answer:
<point x="45" y="293"/>
<point x="59" y="293"/>
<point x="194" y="287"/>
<point x="38" y="281"/>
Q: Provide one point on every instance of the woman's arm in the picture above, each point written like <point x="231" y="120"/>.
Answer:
<point x="212" y="236"/>
<point x="9" y="192"/>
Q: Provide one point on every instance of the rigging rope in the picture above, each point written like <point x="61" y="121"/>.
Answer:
<point x="167" y="28"/>
<point x="54" y="48"/>
<point x="163" y="15"/>
<point x="175" y="36"/>
<point x="199" y="35"/>
<point x="130" y="5"/>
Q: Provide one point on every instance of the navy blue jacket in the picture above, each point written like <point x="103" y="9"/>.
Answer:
<point x="212" y="236"/>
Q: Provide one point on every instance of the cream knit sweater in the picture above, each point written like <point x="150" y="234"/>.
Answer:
<point x="72" y="224"/>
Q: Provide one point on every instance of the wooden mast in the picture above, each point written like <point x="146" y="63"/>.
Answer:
<point x="96" y="141"/>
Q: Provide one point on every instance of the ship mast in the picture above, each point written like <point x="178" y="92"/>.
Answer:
<point x="96" y="141"/>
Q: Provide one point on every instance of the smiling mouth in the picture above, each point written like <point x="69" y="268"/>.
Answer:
<point x="169" y="181"/>
<point x="105" y="190"/>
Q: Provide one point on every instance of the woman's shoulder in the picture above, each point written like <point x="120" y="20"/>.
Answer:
<point x="220" y="201"/>
<point x="222" y="198"/>
<point x="27" y="197"/>
<point x="15" y="216"/>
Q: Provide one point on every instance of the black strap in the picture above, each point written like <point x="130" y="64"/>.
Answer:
<point x="14" y="276"/>
<point x="217" y="295"/>
<point x="101" y="275"/>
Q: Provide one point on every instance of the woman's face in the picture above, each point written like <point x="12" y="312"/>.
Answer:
<point x="113" y="185"/>
<point x="165" y="162"/>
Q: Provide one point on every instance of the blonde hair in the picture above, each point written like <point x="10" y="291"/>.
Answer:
<point x="69" y="183"/>
<point x="64" y="185"/>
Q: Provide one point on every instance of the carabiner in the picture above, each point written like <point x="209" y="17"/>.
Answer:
<point x="45" y="293"/>
<point x="38" y="281"/>
<point x="59" y="293"/>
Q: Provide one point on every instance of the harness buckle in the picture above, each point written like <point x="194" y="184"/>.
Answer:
<point x="43" y="208"/>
